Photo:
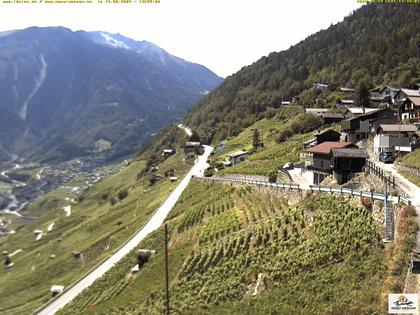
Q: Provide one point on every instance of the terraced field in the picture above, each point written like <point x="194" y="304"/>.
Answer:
<point x="325" y="252"/>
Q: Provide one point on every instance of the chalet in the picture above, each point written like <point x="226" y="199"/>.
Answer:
<point x="321" y="158"/>
<point x="320" y="137"/>
<point x="168" y="152"/>
<point x="319" y="86"/>
<point x="399" y="138"/>
<point x="346" y="162"/>
<point x="238" y="157"/>
<point x="191" y="148"/>
<point x="316" y="111"/>
<point x="360" y="127"/>
<point x="407" y="102"/>
<point x="331" y="118"/>
<point x="388" y="93"/>
<point x="340" y="159"/>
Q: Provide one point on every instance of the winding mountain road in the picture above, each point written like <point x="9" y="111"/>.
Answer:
<point x="154" y="223"/>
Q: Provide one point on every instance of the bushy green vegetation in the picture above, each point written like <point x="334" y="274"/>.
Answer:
<point x="323" y="255"/>
<point x="412" y="159"/>
<point x="300" y="124"/>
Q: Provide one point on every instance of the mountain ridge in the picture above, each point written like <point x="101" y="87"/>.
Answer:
<point x="62" y="92"/>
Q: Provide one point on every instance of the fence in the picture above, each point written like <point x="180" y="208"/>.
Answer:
<point x="372" y="168"/>
<point x="313" y="188"/>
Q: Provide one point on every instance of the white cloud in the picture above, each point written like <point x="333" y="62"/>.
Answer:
<point x="223" y="35"/>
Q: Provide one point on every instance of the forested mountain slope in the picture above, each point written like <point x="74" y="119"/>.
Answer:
<point x="378" y="44"/>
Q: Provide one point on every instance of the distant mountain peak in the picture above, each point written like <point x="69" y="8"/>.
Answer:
<point x="112" y="41"/>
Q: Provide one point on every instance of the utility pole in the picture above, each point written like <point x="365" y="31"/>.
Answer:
<point x="166" y="270"/>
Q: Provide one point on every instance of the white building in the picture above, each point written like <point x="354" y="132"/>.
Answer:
<point x="320" y="86"/>
<point x="394" y="138"/>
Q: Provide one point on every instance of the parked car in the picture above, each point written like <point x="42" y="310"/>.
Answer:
<point x="288" y="166"/>
<point x="387" y="157"/>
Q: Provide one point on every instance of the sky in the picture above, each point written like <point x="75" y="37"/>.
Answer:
<point x="223" y="35"/>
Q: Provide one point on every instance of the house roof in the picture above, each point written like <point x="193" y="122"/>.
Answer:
<point x="346" y="89"/>
<point x="412" y="95"/>
<point x="415" y="100"/>
<point x="359" y="110"/>
<point x="378" y="98"/>
<point x="332" y="115"/>
<point x="347" y="101"/>
<point x="371" y="112"/>
<point x="349" y="153"/>
<point x="193" y="144"/>
<point x="409" y="92"/>
<point x="316" y="110"/>
<point x="238" y="153"/>
<point x="327" y="131"/>
<point x="398" y="128"/>
<point x="389" y="87"/>
<point x="325" y="147"/>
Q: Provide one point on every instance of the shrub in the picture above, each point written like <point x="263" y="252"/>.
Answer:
<point x="152" y="179"/>
<point x="408" y="211"/>
<point x="366" y="202"/>
<point x="113" y="201"/>
<point x="284" y="135"/>
<point x="122" y="194"/>
<point x="209" y="172"/>
<point x="270" y="113"/>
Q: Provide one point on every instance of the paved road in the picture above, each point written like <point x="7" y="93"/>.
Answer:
<point x="299" y="176"/>
<point x="412" y="190"/>
<point x="154" y="223"/>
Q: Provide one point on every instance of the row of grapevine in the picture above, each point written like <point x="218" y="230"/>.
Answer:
<point x="220" y="225"/>
<point x="191" y="218"/>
